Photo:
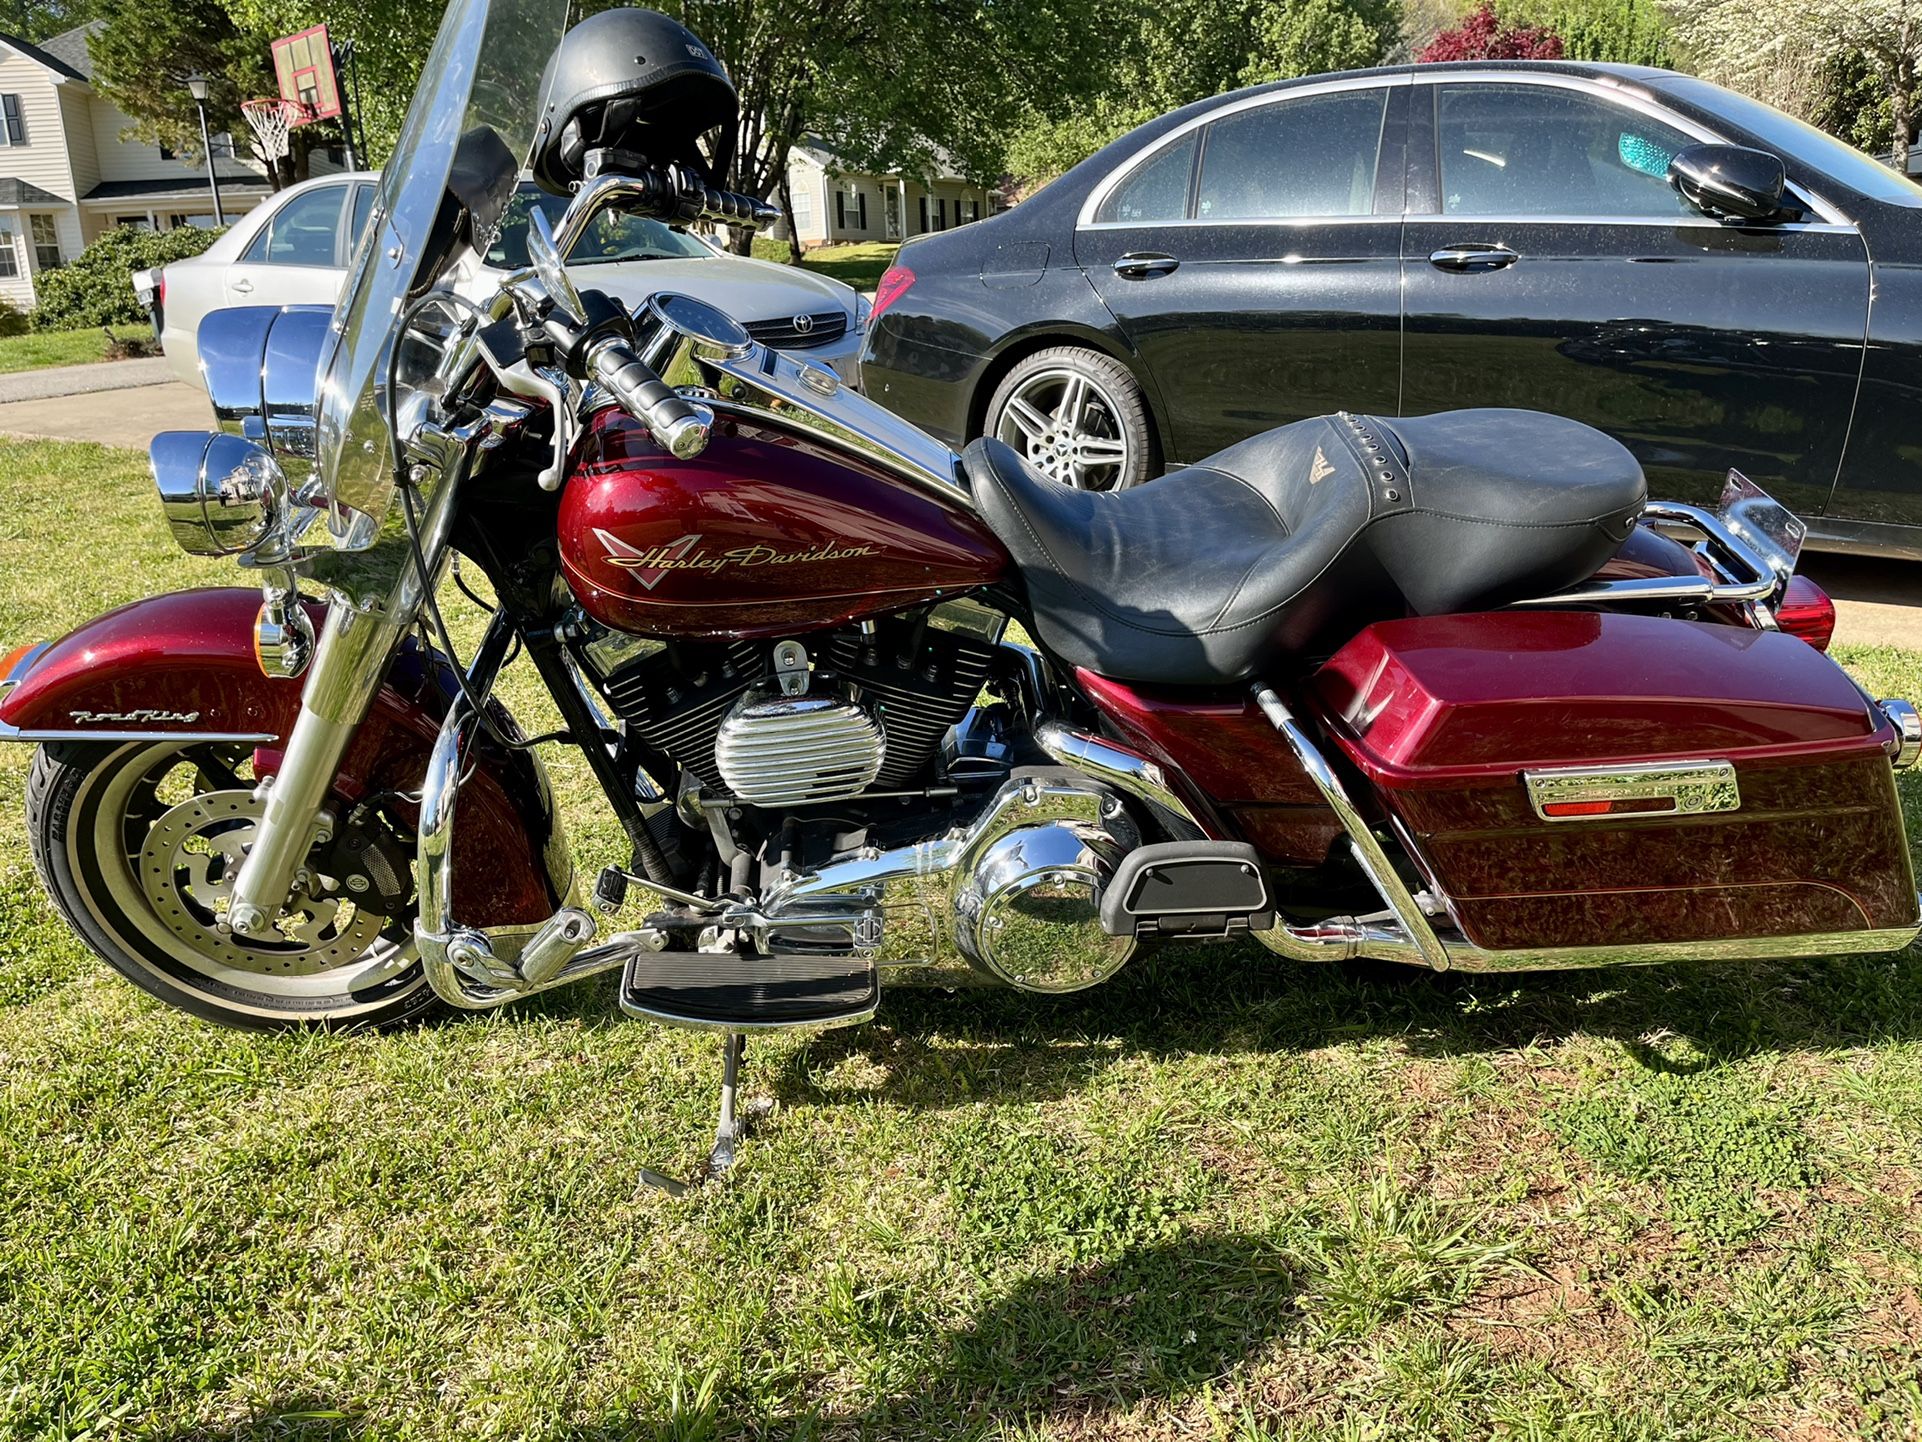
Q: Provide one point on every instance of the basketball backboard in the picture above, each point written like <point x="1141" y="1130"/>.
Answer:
<point x="304" y="66"/>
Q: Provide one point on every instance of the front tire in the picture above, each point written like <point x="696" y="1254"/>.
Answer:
<point x="1077" y="416"/>
<point x="138" y="843"/>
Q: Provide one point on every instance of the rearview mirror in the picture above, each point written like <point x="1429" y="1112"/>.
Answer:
<point x="1731" y="182"/>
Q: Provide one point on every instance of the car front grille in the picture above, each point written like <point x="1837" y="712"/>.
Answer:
<point x="823" y="328"/>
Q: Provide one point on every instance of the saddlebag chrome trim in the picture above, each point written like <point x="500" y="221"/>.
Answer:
<point x="1692" y="787"/>
<point x="1407" y="936"/>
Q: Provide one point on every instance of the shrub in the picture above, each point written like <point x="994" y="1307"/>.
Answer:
<point x="96" y="288"/>
<point x="13" y="320"/>
<point x="1483" y="36"/>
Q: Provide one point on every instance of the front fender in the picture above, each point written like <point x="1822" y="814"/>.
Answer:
<point x="182" y="665"/>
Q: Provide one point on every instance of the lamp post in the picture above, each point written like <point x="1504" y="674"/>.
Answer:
<point x="197" y="86"/>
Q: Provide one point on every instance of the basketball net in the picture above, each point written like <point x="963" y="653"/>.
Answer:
<point x="269" y="120"/>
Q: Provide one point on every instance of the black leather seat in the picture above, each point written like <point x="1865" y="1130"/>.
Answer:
<point x="1289" y="542"/>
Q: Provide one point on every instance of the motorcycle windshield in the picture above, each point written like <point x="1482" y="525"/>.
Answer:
<point x="461" y="148"/>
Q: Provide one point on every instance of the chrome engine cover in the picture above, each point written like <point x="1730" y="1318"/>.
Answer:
<point x="1011" y="898"/>
<point x="1030" y="912"/>
<point x="775" y="750"/>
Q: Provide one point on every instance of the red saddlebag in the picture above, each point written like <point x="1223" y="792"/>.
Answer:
<point x="1581" y="779"/>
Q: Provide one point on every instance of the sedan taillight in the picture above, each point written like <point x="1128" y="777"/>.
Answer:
<point x="895" y="283"/>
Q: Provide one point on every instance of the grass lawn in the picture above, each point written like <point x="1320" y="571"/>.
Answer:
<point x="38" y="350"/>
<point x="1221" y="1198"/>
<point x="859" y="265"/>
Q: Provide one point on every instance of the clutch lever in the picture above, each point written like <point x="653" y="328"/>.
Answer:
<point x="558" y="389"/>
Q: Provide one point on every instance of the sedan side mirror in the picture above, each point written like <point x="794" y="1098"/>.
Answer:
<point x="1732" y="182"/>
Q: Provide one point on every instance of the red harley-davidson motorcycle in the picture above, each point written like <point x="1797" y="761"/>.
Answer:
<point x="1446" y="691"/>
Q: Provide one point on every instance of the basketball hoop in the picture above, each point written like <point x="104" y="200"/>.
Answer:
<point x="269" y="120"/>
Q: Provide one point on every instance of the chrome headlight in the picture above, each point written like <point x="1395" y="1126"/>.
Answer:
<point x="222" y="495"/>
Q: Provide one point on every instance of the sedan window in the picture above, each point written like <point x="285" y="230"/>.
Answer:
<point x="304" y="230"/>
<point x="612" y="237"/>
<point x="1310" y="157"/>
<point x="1544" y="150"/>
<point x="1157" y="190"/>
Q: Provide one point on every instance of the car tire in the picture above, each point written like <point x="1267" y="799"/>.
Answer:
<point x="1078" y="417"/>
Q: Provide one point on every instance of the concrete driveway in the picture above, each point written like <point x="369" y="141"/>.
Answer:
<point x="117" y="403"/>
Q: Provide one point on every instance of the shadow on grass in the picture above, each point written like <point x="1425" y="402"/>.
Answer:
<point x="934" y="1049"/>
<point x="1156" y="1321"/>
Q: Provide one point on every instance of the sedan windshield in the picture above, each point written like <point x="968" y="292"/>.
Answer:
<point x="609" y="239"/>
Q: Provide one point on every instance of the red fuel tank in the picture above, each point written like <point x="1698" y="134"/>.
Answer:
<point x="767" y="531"/>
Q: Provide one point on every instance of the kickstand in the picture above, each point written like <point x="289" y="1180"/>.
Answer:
<point x="727" y="1133"/>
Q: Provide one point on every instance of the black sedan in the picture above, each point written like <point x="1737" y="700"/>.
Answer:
<point x="1714" y="283"/>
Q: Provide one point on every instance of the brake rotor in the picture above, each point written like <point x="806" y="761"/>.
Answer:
<point x="187" y="867"/>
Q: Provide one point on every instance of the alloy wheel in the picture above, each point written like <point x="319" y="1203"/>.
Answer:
<point x="1065" y="425"/>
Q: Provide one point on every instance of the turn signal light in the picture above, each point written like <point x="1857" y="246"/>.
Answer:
<point x="896" y="281"/>
<point x="1807" y="611"/>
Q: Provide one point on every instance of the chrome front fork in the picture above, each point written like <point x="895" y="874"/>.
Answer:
<point x="349" y="666"/>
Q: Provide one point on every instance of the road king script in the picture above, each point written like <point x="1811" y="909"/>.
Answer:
<point x="649" y="564"/>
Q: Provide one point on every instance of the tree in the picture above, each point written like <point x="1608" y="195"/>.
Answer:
<point x="1786" y="52"/>
<point x="1158" y="58"/>
<point x="1483" y="36"/>
<point x="145" y="52"/>
<point x="1624" y="32"/>
<point x="951" y="83"/>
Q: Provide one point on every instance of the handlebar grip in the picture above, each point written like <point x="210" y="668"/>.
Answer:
<point x="677" y="423"/>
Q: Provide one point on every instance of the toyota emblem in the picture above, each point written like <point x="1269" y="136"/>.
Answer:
<point x="803" y="324"/>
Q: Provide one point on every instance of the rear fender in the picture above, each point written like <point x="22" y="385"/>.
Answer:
<point x="182" y="665"/>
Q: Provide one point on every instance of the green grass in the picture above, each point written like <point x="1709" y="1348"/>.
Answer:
<point x="37" y="350"/>
<point x="858" y="265"/>
<point x="1221" y="1198"/>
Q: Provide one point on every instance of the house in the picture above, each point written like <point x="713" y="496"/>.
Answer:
<point x="836" y="203"/>
<point x="69" y="171"/>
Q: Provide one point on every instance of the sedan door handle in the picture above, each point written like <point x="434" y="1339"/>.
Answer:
<point x="1142" y="264"/>
<point x="244" y="286"/>
<point x="1473" y="258"/>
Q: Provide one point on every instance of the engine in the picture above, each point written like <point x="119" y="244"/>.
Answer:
<point x="814" y="718"/>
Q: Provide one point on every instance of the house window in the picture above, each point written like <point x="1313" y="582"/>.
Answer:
<point x="861" y="211"/>
<point x="941" y="213"/>
<point x="840" y="210"/>
<point x="166" y="152"/>
<point x="46" y="242"/>
<point x="974" y="210"/>
<point x="803" y="209"/>
<point x="924" y="214"/>
<point x="14" y="125"/>
<point x="9" y="257"/>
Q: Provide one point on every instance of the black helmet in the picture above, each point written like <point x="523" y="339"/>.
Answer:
<point x="638" y="82"/>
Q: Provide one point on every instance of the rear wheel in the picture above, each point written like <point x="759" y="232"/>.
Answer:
<point x="1077" y="416"/>
<point x="139" y="844"/>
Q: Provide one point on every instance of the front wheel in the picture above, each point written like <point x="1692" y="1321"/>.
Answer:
<point x="139" y="843"/>
<point x="1077" y="416"/>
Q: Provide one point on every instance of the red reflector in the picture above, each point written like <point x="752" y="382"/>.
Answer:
<point x="1807" y="611"/>
<point x="895" y="282"/>
<point x="1623" y="806"/>
<point x="1578" y="808"/>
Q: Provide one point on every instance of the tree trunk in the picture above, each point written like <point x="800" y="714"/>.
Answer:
<point x="1902" y="95"/>
<point x="787" y="214"/>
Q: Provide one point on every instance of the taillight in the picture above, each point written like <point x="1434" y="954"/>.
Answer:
<point x="160" y="287"/>
<point x="1807" y="611"/>
<point x="895" y="283"/>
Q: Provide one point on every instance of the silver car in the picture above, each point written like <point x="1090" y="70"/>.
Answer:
<point x="294" y="248"/>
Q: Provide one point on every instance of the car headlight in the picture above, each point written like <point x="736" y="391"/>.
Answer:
<point x="863" y="308"/>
